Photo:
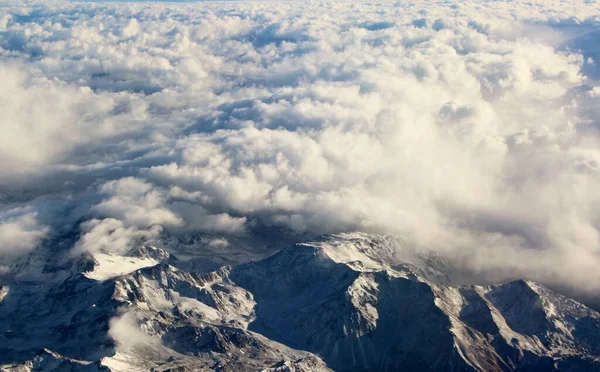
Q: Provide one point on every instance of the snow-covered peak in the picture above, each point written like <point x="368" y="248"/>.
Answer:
<point x="343" y="302"/>
<point x="372" y="253"/>
<point x="109" y="265"/>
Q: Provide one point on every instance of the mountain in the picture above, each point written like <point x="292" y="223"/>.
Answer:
<point x="346" y="302"/>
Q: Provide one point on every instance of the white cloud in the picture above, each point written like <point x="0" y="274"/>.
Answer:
<point x="112" y="236"/>
<point x="470" y="129"/>
<point x="20" y="233"/>
<point x="125" y="330"/>
<point x="136" y="203"/>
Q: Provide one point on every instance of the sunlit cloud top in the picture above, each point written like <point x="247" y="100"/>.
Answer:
<point x="469" y="128"/>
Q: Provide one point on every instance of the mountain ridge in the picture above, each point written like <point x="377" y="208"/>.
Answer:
<point x="343" y="302"/>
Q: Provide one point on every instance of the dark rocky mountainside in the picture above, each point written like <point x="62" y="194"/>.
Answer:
<point x="348" y="302"/>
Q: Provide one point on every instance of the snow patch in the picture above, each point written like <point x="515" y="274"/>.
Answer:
<point x="110" y="266"/>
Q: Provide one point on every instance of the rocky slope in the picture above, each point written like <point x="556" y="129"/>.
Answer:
<point x="349" y="302"/>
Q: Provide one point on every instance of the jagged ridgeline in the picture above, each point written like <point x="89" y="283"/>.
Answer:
<point x="349" y="302"/>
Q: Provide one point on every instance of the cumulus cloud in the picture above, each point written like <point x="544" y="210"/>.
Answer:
<point x="20" y="233"/>
<point x="46" y="120"/>
<point x="125" y="330"/>
<point x="135" y="202"/>
<point x="113" y="236"/>
<point x="470" y="128"/>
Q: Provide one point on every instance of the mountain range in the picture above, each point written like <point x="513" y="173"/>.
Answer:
<point x="345" y="302"/>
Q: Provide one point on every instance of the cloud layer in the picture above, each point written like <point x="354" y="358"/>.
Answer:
<point x="470" y="128"/>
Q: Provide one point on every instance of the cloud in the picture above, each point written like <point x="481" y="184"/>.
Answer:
<point x="125" y="330"/>
<point x="136" y="203"/>
<point x="112" y="236"/>
<point x="471" y="130"/>
<point x="20" y="233"/>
